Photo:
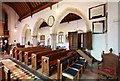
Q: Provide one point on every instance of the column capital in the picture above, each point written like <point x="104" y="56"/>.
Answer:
<point x="34" y="36"/>
<point x="53" y="34"/>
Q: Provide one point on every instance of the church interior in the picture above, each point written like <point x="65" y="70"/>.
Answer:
<point x="47" y="40"/>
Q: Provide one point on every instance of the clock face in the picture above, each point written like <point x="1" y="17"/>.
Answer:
<point x="51" y="20"/>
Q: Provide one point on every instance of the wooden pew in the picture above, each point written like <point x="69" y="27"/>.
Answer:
<point x="17" y="50"/>
<point x="36" y="57"/>
<point x="22" y="53"/>
<point x="13" y="50"/>
<point x="22" y="50"/>
<point x="27" y="56"/>
<point x="13" y="53"/>
<point x="51" y="60"/>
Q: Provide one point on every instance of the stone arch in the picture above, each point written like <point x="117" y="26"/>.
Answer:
<point x="37" y="25"/>
<point x="24" y="33"/>
<point x="67" y="11"/>
<point x="24" y="30"/>
<point x="60" y="16"/>
<point x="35" y="30"/>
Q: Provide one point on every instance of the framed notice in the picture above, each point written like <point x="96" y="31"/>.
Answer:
<point x="42" y="37"/>
<point x="98" y="27"/>
<point x="97" y="11"/>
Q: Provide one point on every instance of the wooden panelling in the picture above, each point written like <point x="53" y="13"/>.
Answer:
<point x="73" y="40"/>
<point x="80" y="40"/>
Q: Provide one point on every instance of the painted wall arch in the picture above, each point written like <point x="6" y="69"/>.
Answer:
<point x="67" y="11"/>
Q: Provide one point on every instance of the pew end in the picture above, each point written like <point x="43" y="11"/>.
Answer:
<point x="20" y="55"/>
<point x="45" y="65"/>
<point x="34" y="61"/>
<point x="26" y="58"/>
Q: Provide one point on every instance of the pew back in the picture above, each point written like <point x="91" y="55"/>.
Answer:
<point x="28" y="55"/>
<point x="22" y="50"/>
<point x="51" y="60"/>
<point x="36" y="57"/>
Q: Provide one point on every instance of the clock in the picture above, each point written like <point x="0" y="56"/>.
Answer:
<point x="51" y="20"/>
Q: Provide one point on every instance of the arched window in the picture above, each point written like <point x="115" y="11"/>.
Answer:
<point x="60" y="37"/>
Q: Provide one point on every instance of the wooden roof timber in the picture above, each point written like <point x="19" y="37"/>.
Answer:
<point x="25" y="9"/>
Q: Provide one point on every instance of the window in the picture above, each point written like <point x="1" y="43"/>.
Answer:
<point x="60" y="37"/>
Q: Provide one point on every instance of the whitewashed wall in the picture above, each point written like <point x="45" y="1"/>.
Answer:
<point x="28" y="36"/>
<point x="44" y="31"/>
<point x="100" y="42"/>
<point x="118" y="27"/>
<point x="113" y="26"/>
<point x="69" y="27"/>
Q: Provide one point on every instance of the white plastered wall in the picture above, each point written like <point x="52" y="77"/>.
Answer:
<point x="100" y="42"/>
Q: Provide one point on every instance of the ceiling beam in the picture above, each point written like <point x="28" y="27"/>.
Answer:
<point x="38" y="9"/>
<point x="30" y="7"/>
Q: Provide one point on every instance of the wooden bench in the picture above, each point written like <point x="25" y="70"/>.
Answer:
<point x="27" y="56"/>
<point x="17" y="50"/>
<point x="71" y="67"/>
<point x="22" y="53"/>
<point x="13" y="50"/>
<point x="22" y="50"/>
<point x="51" y="60"/>
<point x="13" y="53"/>
<point x="36" y="57"/>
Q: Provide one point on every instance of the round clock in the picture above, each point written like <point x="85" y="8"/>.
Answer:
<point x="51" y="20"/>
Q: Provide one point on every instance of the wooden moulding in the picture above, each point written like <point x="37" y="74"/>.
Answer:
<point x="20" y="56"/>
<point x="26" y="58"/>
<point x="45" y="65"/>
<point x="13" y="53"/>
<point x="34" y="61"/>
<point x="16" y="53"/>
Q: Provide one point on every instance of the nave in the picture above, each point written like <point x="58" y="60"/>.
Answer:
<point x="67" y="65"/>
<point x="59" y="40"/>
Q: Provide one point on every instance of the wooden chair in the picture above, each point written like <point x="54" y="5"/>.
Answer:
<point x="109" y="66"/>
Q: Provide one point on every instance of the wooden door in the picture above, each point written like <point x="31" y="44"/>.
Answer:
<point x="73" y="40"/>
<point x="87" y="40"/>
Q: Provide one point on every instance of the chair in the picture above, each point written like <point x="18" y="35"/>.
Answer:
<point x="109" y="65"/>
<point x="69" y="72"/>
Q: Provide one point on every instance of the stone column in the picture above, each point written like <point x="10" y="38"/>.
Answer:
<point x="23" y="40"/>
<point x="34" y="39"/>
<point x="53" y="41"/>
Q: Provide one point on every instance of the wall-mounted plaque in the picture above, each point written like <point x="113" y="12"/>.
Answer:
<point x="98" y="27"/>
<point x="97" y="11"/>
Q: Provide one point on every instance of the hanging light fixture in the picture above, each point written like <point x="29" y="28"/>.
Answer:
<point x="28" y="27"/>
<point x="39" y="33"/>
<point x="15" y="29"/>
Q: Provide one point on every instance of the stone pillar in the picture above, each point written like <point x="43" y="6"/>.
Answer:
<point x="34" y="39"/>
<point x="23" y="40"/>
<point x="53" y="41"/>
